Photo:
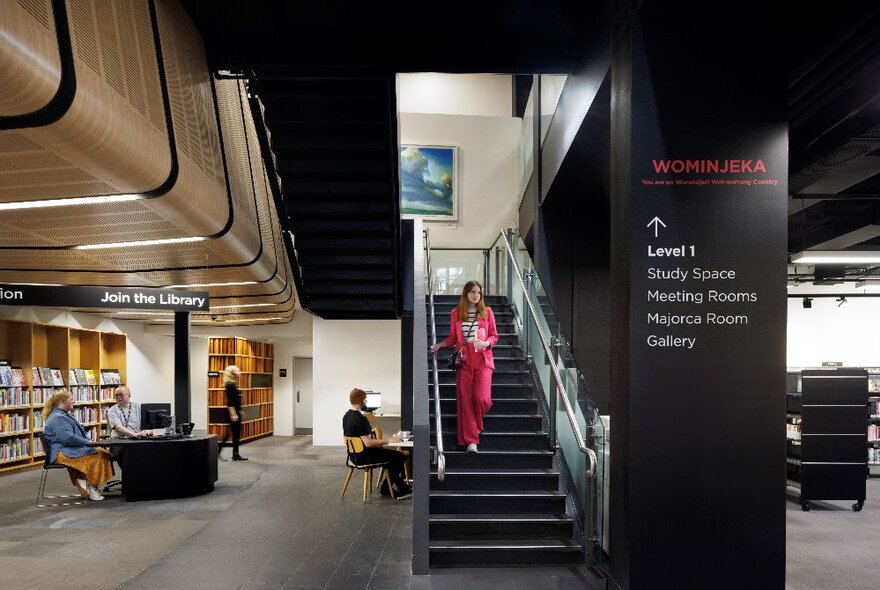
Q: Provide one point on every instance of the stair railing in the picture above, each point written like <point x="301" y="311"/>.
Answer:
<point x="441" y="458"/>
<point x="560" y="388"/>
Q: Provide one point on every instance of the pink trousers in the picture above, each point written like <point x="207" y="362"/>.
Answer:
<point x="473" y="399"/>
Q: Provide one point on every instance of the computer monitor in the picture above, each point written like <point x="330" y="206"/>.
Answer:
<point x="373" y="401"/>
<point x="155" y="416"/>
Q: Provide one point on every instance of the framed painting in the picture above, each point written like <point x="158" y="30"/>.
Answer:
<point x="428" y="178"/>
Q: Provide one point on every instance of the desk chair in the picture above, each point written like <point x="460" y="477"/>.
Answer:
<point x="353" y="446"/>
<point x="41" y="497"/>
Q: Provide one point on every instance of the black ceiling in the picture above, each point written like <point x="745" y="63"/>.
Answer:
<point x="834" y="75"/>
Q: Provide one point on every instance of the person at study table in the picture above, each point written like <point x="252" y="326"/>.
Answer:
<point x="472" y="329"/>
<point x="354" y="423"/>
<point x="124" y="419"/>
<point x="67" y="444"/>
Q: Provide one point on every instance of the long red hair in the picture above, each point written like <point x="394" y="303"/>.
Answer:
<point x="463" y="302"/>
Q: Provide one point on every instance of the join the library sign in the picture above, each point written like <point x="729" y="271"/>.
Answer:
<point x="98" y="297"/>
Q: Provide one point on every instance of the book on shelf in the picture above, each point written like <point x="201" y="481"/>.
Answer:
<point x="110" y="377"/>
<point x="46" y="375"/>
<point x="18" y="377"/>
<point x="37" y="377"/>
<point x="71" y="377"/>
<point x="81" y="377"/>
<point x="90" y="376"/>
<point x="6" y="379"/>
<point x="57" y="378"/>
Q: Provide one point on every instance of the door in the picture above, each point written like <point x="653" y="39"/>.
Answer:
<point x="302" y="395"/>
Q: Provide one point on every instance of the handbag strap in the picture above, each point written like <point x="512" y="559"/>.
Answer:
<point x="468" y="335"/>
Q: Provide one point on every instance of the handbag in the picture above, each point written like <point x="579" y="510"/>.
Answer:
<point x="454" y="360"/>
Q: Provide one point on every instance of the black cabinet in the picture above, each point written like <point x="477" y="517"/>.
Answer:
<point x="832" y="463"/>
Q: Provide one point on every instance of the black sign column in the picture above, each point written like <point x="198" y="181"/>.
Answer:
<point x="699" y="169"/>
<point x="182" y="381"/>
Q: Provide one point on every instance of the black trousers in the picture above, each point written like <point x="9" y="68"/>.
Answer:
<point x="235" y="429"/>
<point x="395" y="458"/>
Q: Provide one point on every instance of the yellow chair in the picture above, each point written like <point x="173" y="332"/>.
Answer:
<point x="353" y="446"/>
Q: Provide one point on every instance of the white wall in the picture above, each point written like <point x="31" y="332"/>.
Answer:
<point x="487" y="183"/>
<point x="348" y="354"/>
<point x="849" y="333"/>
<point x="455" y="94"/>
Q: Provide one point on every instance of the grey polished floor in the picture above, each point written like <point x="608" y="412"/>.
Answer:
<point x="276" y="521"/>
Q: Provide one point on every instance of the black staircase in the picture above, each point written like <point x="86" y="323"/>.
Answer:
<point x="503" y="505"/>
<point x="334" y="149"/>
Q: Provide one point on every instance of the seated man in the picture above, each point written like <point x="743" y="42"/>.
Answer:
<point x="124" y="418"/>
<point x="354" y="423"/>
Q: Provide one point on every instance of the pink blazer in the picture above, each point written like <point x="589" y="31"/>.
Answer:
<point x="486" y="332"/>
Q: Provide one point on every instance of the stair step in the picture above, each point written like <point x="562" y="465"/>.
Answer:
<point x="464" y="527"/>
<point x="512" y="502"/>
<point x="504" y="405"/>
<point x="500" y="376"/>
<point x="457" y="460"/>
<point x="496" y="422"/>
<point x="504" y="441"/>
<point x="490" y="552"/>
<point x="497" y="480"/>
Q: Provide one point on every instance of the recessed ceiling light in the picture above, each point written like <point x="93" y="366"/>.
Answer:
<point x="234" y="283"/>
<point x="139" y="243"/>
<point x="836" y="257"/>
<point x="68" y="202"/>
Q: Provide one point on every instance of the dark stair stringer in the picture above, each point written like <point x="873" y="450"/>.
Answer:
<point x="502" y="506"/>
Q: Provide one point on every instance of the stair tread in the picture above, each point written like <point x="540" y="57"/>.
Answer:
<point x="500" y="472"/>
<point x="496" y="494"/>
<point x="493" y="518"/>
<point x="497" y="452"/>
<point x="523" y="544"/>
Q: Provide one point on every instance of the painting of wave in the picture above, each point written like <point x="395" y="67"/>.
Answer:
<point x="427" y="181"/>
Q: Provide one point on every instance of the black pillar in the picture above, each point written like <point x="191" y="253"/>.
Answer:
<point x="407" y="240"/>
<point x="698" y="324"/>
<point x="182" y="383"/>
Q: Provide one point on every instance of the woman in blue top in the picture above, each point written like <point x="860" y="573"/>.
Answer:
<point x="67" y="443"/>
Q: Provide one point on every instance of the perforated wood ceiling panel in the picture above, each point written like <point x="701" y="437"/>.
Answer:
<point x="238" y="153"/>
<point x="32" y="77"/>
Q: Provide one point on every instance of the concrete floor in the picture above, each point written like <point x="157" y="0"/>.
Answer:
<point x="277" y="521"/>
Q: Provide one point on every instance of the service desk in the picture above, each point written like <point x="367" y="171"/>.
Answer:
<point x="166" y="468"/>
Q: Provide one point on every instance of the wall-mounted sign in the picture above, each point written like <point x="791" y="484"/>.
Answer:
<point x="832" y="363"/>
<point x="98" y="297"/>
<point x="213" y="373"/>
<point x="282" y="372"/>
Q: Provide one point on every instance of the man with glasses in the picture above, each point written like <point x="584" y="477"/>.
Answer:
<point x="124" y="419"/>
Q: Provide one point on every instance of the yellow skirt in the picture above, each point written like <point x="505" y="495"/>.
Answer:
<point x="94" y="468"/>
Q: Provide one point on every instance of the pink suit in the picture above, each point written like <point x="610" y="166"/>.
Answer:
<point x="474" y="380"/>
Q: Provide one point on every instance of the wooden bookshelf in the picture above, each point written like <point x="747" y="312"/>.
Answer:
<point x="27" y="345"/>
<point x="256" y="361"/>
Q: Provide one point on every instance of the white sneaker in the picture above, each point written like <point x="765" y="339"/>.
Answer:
<point x="472" y="448"/>
<point x="95" y="495"/>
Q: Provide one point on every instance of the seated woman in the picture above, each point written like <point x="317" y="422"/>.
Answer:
<point x="88" y="467"/>
<point x="354" y="423"/>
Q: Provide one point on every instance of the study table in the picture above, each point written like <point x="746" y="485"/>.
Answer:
<point x="154" y="469"/>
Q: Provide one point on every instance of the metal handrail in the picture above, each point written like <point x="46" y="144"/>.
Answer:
<point x="441" y="458"/>
<point x="560" y="389"/>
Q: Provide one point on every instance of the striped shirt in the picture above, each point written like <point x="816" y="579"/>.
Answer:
<point x="470" y="325"/>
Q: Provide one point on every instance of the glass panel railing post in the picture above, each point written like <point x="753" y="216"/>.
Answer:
<point x="527" y="279"/>
<point x="509" y="233"/>
<point x="486" y="286"/>
<point x="497" y="270"/>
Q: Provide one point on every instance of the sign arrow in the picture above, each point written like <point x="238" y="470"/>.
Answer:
<point x="656" y="222"/>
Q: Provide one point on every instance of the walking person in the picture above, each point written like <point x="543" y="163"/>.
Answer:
<point x="231" y="374"/>
<point x="472" y="330"/>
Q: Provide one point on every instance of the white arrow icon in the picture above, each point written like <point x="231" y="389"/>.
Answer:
<point x="656" y="222"/>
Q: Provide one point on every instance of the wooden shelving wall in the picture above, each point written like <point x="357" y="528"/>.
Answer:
<point x="26" y="345"/>
<point x="256" y="361"/>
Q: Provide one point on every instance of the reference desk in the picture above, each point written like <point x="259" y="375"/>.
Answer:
<point x="153" y="469"/>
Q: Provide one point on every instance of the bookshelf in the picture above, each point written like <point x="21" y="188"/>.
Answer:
<point x="38" y="359"/>
<point x="826" y="436"/>
<point x="256" y="361"/>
